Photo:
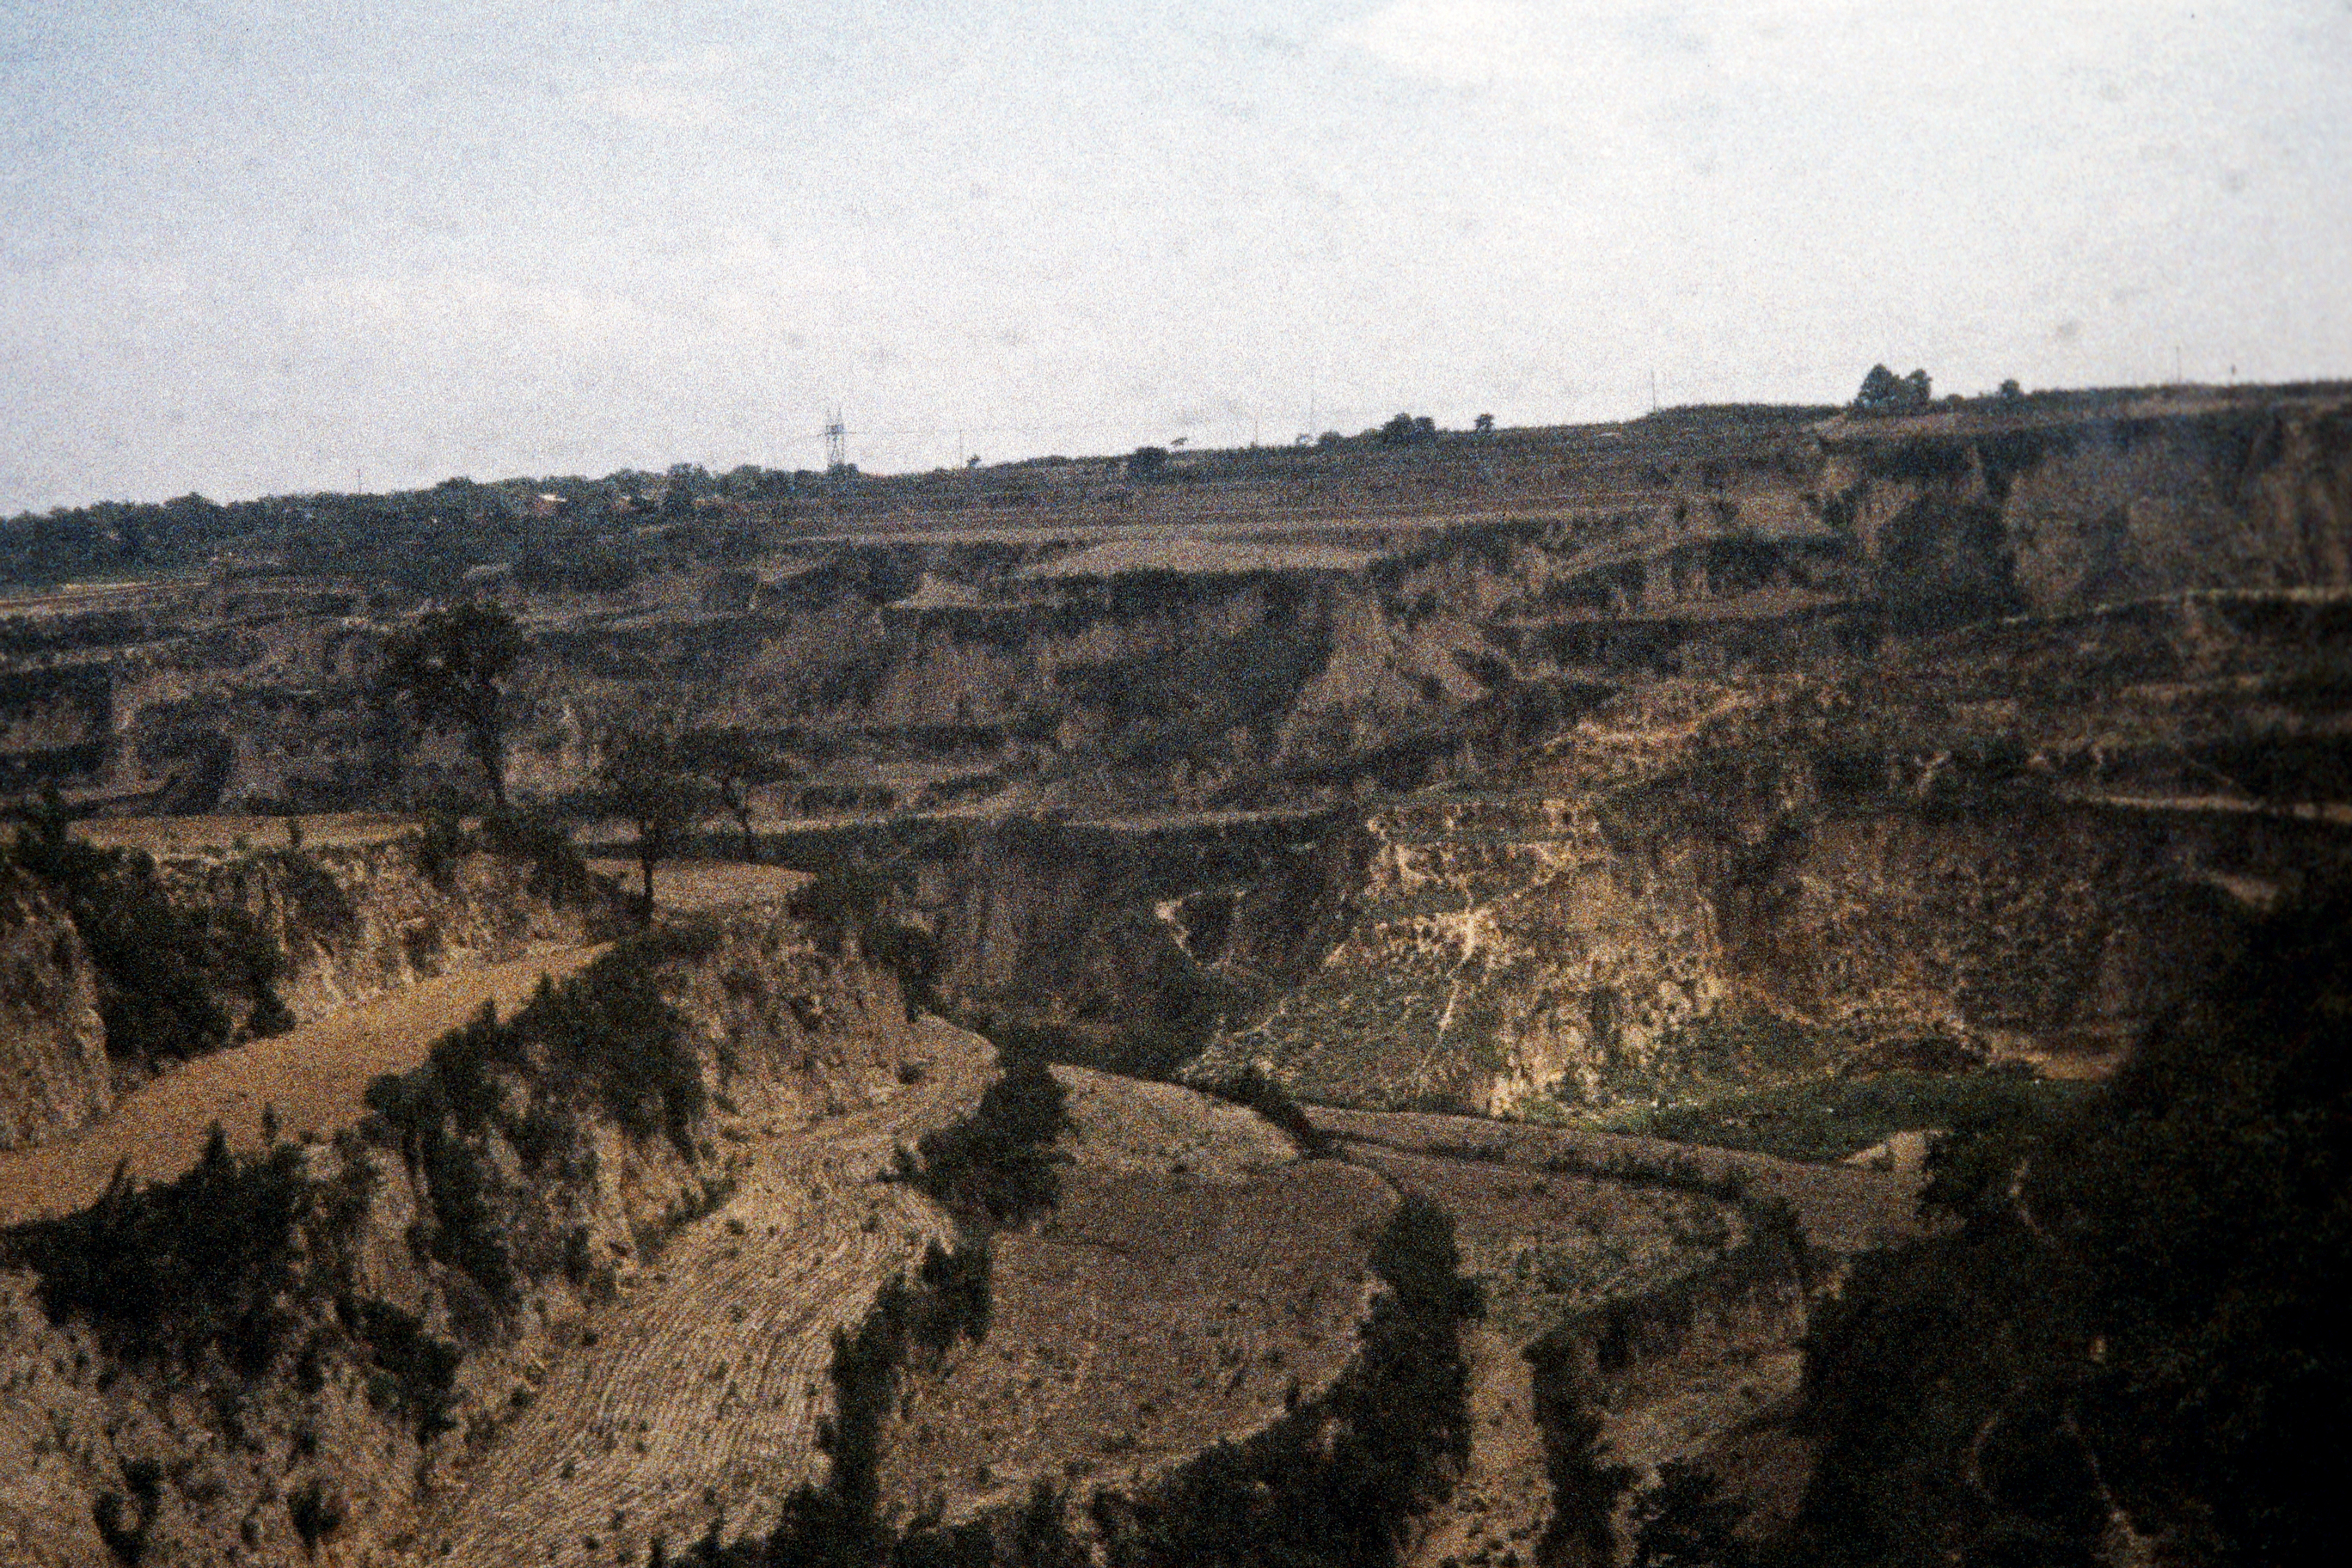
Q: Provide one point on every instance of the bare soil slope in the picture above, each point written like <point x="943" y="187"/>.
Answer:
<point x="1195" y="1278"/>
<point x="1844" y="1209"/>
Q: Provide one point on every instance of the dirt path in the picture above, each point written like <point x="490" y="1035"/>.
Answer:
<point x="315" y="1075"/>
<point x="700" y="1397"/>
<point x="695" y="887"/>
<point x="1844" y="1209"/>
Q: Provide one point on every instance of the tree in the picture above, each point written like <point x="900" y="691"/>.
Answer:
<point x="1484" y="424"/>
<point x="732" y="765"/>
<point x="1884" y="391"/>
<point x="650" y="784"/>
<point x="1146" y="462"/>
<point x="453" y="667"/>
<point x="1405" y="430"/>
<point x="1683" y="1521"/>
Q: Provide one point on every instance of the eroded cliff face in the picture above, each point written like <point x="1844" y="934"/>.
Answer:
<point x="2010" y="842"/>
<point x="353" y="922"/>
<point x="2042" y="513"/>
<point x="209" y="1462"/>
<point x="358" y="920"/>
<point x="54" y="1075"/>
<point x="1250" y="630"/>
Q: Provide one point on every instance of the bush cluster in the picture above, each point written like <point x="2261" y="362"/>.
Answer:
<point x="998" y="1165"/>
<point x="536" y="840"/>
<point x="180" y="1268"/>
<point x="559" y="877"/>
<point x="1336" y="1482"/>
<point x="605" y="1038"/>
<point x="169" y="979"/>
<point x="414" y="1373"/>
<point x="845" y="900"/>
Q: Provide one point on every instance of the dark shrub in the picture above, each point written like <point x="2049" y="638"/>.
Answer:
<point x="999" y="1166"/>
<point x="163" y="971"/>
<point x="181" y="1267"/>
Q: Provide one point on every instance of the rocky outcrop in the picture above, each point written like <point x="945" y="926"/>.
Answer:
<point x="1994" y="844"/>
<point x="54" y="1075"/>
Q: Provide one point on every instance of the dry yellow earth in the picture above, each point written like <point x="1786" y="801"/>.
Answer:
<point x="697" y="1396"/>
<point x="1194" y="1272"/>
<point x="191" y="834"/>
<point x="1152" y="1316"/>
<point x="1503" y="1499"/>
<point x="1127" y="1124"/>
<point x="697" y="886"/>
<point x="316" y="1076"/>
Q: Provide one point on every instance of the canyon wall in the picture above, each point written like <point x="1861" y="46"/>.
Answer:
<point x="1934" y="737"/>
<point x="1254" y="629"/>
<point x="356" y="920"/>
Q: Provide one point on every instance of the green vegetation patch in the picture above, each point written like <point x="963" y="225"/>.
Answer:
<point x="1829" y="1119"/>
<point x="414" y="1373"/>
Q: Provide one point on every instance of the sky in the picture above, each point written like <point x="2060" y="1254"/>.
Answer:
<point x="259" y="249"/>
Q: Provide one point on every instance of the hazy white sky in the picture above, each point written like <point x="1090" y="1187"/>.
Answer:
<point x="253" y="248"/>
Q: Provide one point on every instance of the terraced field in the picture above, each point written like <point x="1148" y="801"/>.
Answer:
<point x="315" y="1076"/>
<point x="1195" y="1274"/>
<point x="1544" y="1244"/>
<point x="1548" y="1242"/>
<point x="1845" y="1209"/>
<point x="695" y="1398"/>
<point x="1541" y="1244"/>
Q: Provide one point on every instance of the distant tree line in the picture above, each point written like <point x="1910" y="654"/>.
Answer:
<point x="564" y="534"/>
